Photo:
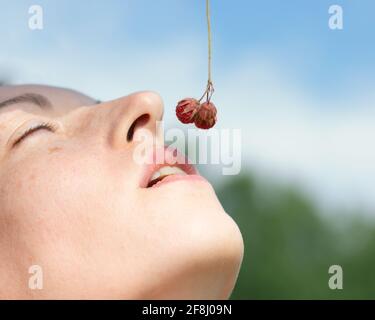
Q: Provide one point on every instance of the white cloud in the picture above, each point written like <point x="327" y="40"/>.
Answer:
<point x="328" y="149"/>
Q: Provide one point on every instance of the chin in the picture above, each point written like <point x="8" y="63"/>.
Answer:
<point x="208" y="266"/>
<point x="208" y="245"/>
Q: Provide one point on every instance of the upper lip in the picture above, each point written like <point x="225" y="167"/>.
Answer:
<point x="170" y="157"/>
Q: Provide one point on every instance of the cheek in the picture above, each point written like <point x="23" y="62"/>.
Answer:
<point x="62" y="208"/>
<point x="44" y="185"/>
<point x="62" y="191"/>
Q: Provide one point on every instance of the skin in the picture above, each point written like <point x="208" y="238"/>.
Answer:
<point x="70" y="202"/>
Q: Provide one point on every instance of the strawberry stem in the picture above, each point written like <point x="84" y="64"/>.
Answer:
<point x="208" y="92"/>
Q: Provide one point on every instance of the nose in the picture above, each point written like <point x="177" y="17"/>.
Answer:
<point x="135" y="115"/>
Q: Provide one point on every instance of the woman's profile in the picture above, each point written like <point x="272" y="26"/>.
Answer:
<point x="100" y="225"/>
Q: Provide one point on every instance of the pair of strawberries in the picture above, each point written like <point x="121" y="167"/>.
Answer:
<point x="203" y="115"/>
<point x="191" y="110"/>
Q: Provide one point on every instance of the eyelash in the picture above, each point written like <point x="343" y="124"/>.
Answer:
<point x="42" y="126"/>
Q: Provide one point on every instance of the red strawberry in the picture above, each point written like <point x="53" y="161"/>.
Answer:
<point x="206" y="116"/>
<point x="186" y="110"/>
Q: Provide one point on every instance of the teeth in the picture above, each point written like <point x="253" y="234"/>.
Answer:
<point x="166" y="171"/>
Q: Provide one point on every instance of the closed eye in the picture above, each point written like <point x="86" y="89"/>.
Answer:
<point x="41" y="126"/>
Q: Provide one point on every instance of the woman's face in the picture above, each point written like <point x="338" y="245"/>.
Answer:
<point x="74" y="201"/>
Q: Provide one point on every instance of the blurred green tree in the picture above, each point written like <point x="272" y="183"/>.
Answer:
<point x="290" y="245"/>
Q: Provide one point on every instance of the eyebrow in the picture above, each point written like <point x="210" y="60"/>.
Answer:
<point x="32" y="98"/>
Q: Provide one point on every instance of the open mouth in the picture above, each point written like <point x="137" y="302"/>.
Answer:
<point x="164" y="172"/>
<point x="173" y="167"/>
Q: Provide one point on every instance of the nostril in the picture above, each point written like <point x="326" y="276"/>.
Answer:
<point x="139" y="122"/>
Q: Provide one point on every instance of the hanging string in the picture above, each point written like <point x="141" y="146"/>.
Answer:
<point x="209" y="39"/>
<point x="210" y="88"/>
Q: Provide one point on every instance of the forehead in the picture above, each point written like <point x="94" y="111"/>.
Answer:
<point x="62" y="100"/>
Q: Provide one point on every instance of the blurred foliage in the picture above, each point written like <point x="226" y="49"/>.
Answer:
<point x="290" y="245"/>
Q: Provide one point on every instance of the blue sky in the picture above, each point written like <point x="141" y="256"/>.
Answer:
<point x="294" y="33"/>
<point x="301" y="92"/>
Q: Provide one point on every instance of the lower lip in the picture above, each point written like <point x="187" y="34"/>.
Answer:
<point x="174" y="178"/>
